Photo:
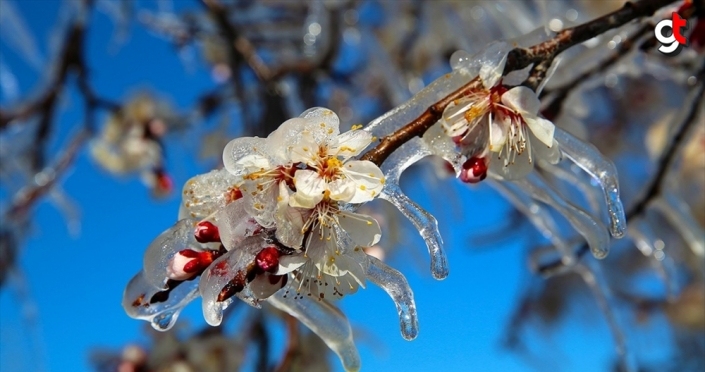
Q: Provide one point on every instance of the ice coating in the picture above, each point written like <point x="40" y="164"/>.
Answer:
<point x="234" y="224"/>
<point x="678" y="214"/>
<point x="573" y="179"/>
<point x="587" y="157"/>
<point x="204" y="194"/>
<point x="162" y="249"/>
<point x="139" y="302"/>
<point x="396" y="285"/>
<point x="232" y="270"/>
<point x="593" y="231"/>
<point x="425" y="223"/>
<point x="326" y="321"/>
<point x="538" y="216"/>
<point x="592" y="275"/>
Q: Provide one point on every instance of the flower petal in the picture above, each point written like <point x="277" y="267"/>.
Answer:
<point x="367" y="177"/>
<point x="362" y="229"/>
<point x="522" y="99"/>
<point x="541" y="128"/>
<point x="350" y="143"/>
<point x="304" y="149"/>
<point x="550" y="154"/>
<point x="289" y="263"/>
<point x="498" y="132"/>
<point x="309" y="189"/>
<point x="516" y="170"/>
<point x="342" y="189"/>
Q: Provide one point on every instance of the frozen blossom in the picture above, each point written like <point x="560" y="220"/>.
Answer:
<point x="279" y="219"/>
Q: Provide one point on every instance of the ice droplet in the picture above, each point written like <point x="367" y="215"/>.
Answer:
<point x="164" y="321"/>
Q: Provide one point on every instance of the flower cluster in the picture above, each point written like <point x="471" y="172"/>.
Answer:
<point x="278" y="223"/>
<point x="502" y="122"/>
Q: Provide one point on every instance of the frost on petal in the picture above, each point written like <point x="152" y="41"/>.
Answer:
<point x="363" y="230"/>
<point x="227" y="276"/>
<point x="322" y="123"/>
<point x="235" y="224"/>
<point x="522" y="100"/>
<point x="395" y="284"/>
<point x="367" y="177"/>
<point x="162" y="249"/>
<point x="204" y="194"/>
<point x="541" y="128"/>
<point x="350" y="144"/>
<point x="160" y="307"/>
<point x="245" y="155"/>
<point x="587" y="157"/>
<point x="326" y="321"/>
<point x="425" y="223"/>
<point x="309" y="189"/>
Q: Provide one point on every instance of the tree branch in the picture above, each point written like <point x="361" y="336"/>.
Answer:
<point x="517" y="59"/>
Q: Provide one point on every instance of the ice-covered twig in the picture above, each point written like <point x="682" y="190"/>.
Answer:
<point x="517" y="59"/>
<point x="668" y="157"/>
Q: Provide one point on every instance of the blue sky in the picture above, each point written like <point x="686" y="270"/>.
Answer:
<point x="75" y="283"/>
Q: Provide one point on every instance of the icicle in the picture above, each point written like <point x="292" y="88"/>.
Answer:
<point x="395" y="284"/>
<point x="425" y="223"/>
<point x="678" y="214"/>
<point x="642" y="233"/>
<point x="587" y="157"/>
<point x="590" y="271"/>
<point x="593" y="232"/>
<point x="539" y="217"/>
<point x="326" y="321"/>
<point x="585" y="187"/>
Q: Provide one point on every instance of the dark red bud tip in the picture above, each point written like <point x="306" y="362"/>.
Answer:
<point x="474" y="170"/>
<point x="164" y="182"/>
<point x="207" y="232"/>
<point x="268" y="259"/>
